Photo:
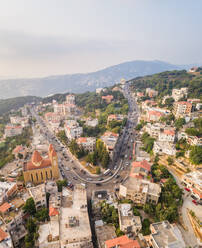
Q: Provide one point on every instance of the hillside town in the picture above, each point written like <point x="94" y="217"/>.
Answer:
<point x="118" y="167"/>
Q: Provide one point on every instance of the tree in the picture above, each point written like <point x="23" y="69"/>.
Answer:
<point x="29" y="207"/>
<point x="146" y="227"/>
<point x="42" y="215"/>
<point x="136" y="212"/>
<point x="98" y="171"/>
<point x="61" y="184"/>
<point x="192" y="131"/>
<point x="196" y="155"/>
<point x="179" y="123"/>
<point x="170" y="160"/>
<point x="105" y="159"/>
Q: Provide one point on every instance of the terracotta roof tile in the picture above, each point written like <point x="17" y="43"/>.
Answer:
<point x="4" y="207"/>
<point x="3" y="235"/>
<point x="53" y="211"/>
<point x="123" y="242"/>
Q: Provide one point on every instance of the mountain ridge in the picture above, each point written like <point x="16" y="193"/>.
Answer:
<point x="81" y="82"/>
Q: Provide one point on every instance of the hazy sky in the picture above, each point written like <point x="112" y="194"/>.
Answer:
<point x="48" y="37"/>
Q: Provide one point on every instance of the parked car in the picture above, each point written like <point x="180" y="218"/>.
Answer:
<point x="195" y="202"/>
<point x="187" y="189"/>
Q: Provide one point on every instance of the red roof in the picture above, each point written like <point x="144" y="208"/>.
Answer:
<point x="18" y="149"/>
<point x="53" y="211"/>
<point x="36" y="158"/>
<point x="122" y="242"/>
<point x="155" y="113"/>
<point x="3" y="235"/>
<point x="4" y="207"/>
<point x="143" y="164"/>
<point x="197" y="192"/>
<point x="184" y="103"/>
<point x="82" y="140"/>
<point x="169" y="132"/>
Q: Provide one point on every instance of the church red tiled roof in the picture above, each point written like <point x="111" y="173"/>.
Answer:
<point x="36" y="158"/>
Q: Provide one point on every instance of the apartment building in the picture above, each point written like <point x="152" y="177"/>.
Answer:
<point x="153" y="115"/>
<point x="163" y="147"/>
<point x="12" y="130"/>
<point x="70" y="99"/>
<point x="50" y="116"/>
<point x="74" y="226"/>
<point x="127" y="221"/>
<point x="151" y="93"/>
<point x="177" y="94"/>
<point x="7" y="190"/>
<point x="140" y="169"/>
<point x="140" y="191"/>
<point x="107" y="98"/>
<point x="167" y="135"/>
<point x="194" y="141"/>
<point x="166" y="235"/>
<point x="182" y="109"/>
<point x="153" y="129"/>
<point x="72" y="129"/>
<point x="110" y="140"/>
<point x="98" y="90"/>
<point x="38" y="194"/>
<point x="193" y="181"/>
<point x="5" y="239"/>
<point x="88" y="143"/>
<point x="115" y="117"/>
<point x="91" y="122"/>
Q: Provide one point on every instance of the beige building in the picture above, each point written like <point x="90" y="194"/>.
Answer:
<point x="38" y="194"/>
<point x="140" y="191"/>
<point x="193" y="181"/>
<point x="177" y="94"/>
<point x="75" y="228"/>
<point x="12" y="130"/>
<point x="88" y="143"/>
<point x="110" y="140"/>
<point x="72" y="129"/>
<point x="166" y="235"/>
<point x="40" y="169"/>
<point x="181" y="109"/>
<point x="127" y="221"/>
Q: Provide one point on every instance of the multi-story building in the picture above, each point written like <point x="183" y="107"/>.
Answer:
<point x="110" y="140"/>
<point x="98" y="90"/>
<point x="194" y="141"/>
<point x="122" y="242"/>
<point x="177" y="94"/>
<point x="107" y="98"/>
<point x="40" y="169"/>
<point x="70" y="99"/>
<point x="91" y="122"/>
<point x="151" y="93"/>
<point x="22" y="150"/>
<point x="38" y="194"/>
<point x="166" y="235"/>
<point x="7" y="190"/>
<point x="140" y="169"/>
<point x="193" y="181"/>
<point x="12" y="130"/>
<point x="127" y="221"/>
<point x="140" y="191"/>
<point x="74" y="224"/>
<point x="5" y="239"/>
<point x="153" y="115"/>
<point x="88" y="143"/>
<point x="162" y="147"/>
<point x="182" y="109"/>
<point x="50" y="116"/>
<point x="167" y="135"/>
<point x="115" y="117"/>
<point x="72" y="129"/>
<point x="154" y="129"/>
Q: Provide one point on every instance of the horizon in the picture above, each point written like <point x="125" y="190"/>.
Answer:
<point x="39" y="39"/>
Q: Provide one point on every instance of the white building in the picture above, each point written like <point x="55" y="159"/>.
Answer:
<point x="7" y="190"/>
<point x="70" y="99"/>
<point x="127" y="221"/>
<point x="72" y="129"/>
<point x="12" y="130"/>
<point x="177" y="94"/>
<point x="98" y="90"/>
<point x="88" y="143"/>
<point x="154" y="129"/>
<point x="92" y="122"/>
<point x="162" y="147"/>
<point x="110" y="140"/>
<point x="167" y="135"/>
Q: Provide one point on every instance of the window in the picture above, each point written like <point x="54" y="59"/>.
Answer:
<point x="46" y="175"/>
<point x="32" y="177"/>
<point x="37" y="177"/>
<point x="41" y="176"/>
<point x="51" y="173"/>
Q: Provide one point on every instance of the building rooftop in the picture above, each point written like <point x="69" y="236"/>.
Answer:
<point x="104" y="233"/>
<point x="38" y="192"/>
<point x="4" y="207"/>
<point x="166" y="235"/>
<point x="122" y="242"/>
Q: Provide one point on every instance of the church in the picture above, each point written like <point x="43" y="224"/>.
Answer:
<point x="39" y="169"/>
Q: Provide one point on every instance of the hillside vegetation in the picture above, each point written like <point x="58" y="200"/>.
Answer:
<point x="164" y="82"/>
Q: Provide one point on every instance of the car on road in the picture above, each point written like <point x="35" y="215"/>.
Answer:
<point x="98" y="184"/>
<point x="187" y="189"/>
<point x="89" y="179"/>
<point x="117" y="176"/>
<point x="75" y="178"/>
<point x="195" y="202"/>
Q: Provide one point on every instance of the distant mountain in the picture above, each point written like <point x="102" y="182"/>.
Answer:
<point x="79" y="83"/>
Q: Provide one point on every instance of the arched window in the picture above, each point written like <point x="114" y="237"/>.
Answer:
<point x="37" y="177"/>
<point x="41" y="176"/>
<point x="32" y="177"/>
<point x="46" y="175"/>
<point x="51" y="174"/>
